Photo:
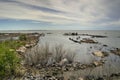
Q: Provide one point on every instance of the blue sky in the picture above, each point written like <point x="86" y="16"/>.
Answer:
<point x="59" y="14"/>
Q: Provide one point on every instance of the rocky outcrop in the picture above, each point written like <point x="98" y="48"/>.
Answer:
<point x="74" y="40"/>
<point x="71" y="34"/>
<point x="116" y="51"/>
<point x="98" y="63"/>
<point x="87" y="40"/>
<point x="21" y="49"/>
<point x="100" y="54"/>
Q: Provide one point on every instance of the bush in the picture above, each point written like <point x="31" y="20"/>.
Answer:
<point x="37" y="55"/>
<point x="46" y="55"/>
<point x="22" y="37"/>
<point x="8" y="60"/>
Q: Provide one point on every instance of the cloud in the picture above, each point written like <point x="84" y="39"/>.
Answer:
<point x="63" y="12"/>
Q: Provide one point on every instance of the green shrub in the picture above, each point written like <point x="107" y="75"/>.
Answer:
<point x="22" y="37"/>
<point x="8" y="60"/>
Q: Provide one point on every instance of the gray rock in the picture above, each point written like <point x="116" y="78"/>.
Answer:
<point x="63" y="62"/>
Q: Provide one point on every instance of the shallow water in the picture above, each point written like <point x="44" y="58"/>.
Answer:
<point x="83" y="51"/>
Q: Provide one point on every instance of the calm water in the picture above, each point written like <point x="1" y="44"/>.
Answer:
<point x="83" y="51"/>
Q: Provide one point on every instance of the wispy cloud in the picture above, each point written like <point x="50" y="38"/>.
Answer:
<point x="63" y="12"/>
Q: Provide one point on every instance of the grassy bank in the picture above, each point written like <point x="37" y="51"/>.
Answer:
<point x="9" y="60"/>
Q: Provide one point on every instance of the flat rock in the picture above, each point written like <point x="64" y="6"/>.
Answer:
<point x="98" y="54"/>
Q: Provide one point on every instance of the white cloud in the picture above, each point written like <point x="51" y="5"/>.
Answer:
<point x="81" y="12"/>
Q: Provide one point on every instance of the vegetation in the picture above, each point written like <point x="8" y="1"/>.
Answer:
<point x="8" y="58"/>
<point x="22" y="37"/>
<point x="45" y="55"/>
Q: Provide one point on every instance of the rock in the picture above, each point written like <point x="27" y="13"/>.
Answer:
<point x="71" y="34"/>
<point x="87" y="40"/>
<point x="63" y="62"/>
<point x="81" y="78"/>
<point x="69" y="65"/>
<point x="74" y="40"/>
<point x="98" y="36"/>
<point x="28" y="46"/>
<point x="105" y="45"/>
<point x="21" y="49"/>
<point x="75" y="65"/>
<point x="100" y="78"/>
<point x="65" y="68"/>
<point x="97" y="63"/>
<point x="39" y="66"/>
<point x="115" y="75"/>
<point x="90" y="77"/>
<point x="100" y="54"/>
<point x="116" y="51"/>
<point x="59" y="78"/>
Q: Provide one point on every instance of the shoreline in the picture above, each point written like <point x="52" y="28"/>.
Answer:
<point x="53" y="71"/>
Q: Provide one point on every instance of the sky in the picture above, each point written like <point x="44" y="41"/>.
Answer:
<point x="59" y="14"/>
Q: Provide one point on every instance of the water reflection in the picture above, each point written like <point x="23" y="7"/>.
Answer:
<point x="84" y="55"/>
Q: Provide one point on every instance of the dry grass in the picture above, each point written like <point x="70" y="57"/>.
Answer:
<point x="45" y="55"/>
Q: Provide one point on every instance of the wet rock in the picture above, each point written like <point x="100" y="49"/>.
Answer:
<point x="105" y="45"/>
<point x="78" y="38"/>
<point x="116" y="51"/>
<point x="98" y="36"/>
<point x="100" y="54"/>
<point x="71" y="34"/>
<point x="74" y="40"/>
<point x="87" y="40"/>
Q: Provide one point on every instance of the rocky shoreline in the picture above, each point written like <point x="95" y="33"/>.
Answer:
<point x="77" y="34"/>
<point x="56" y="71"/>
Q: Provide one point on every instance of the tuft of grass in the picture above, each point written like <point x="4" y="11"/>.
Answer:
<point x="45" y="55"/>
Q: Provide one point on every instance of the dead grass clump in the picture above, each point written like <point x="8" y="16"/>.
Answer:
<point x="45" y="55"/>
